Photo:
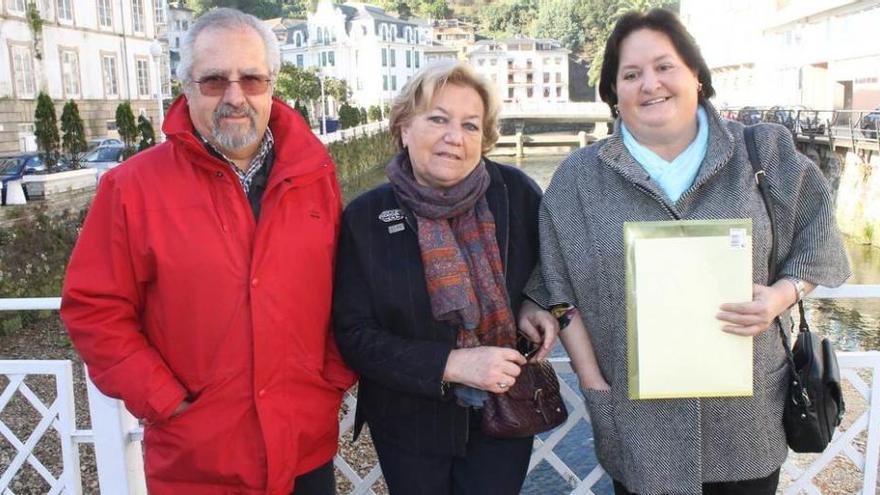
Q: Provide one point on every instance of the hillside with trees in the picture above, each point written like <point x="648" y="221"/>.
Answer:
<point x="580" y="25"/>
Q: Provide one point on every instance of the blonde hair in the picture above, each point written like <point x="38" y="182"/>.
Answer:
<point x="417" y="94"/>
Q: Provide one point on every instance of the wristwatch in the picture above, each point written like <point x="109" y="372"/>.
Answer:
<point x="798" y="287"/>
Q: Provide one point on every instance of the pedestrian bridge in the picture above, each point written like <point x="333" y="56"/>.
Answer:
<point x="116" y="436"/>
<point x="573" y="111"/>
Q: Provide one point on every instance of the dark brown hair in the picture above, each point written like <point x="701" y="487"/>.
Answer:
<point x="661" y="21"/>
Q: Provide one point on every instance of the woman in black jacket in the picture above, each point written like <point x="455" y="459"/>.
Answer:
<point x="429" y="276"/>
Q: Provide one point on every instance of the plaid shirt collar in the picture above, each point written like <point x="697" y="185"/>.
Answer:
<point x="245" y="177"/>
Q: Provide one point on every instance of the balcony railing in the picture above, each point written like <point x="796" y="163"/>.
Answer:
<point x="116" y="435"/>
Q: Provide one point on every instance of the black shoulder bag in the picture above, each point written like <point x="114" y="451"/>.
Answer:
<point x="814" y="403"/>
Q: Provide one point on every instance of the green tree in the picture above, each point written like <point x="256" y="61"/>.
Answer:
<point x="375" y="113"/>
<point x="362" y="115"/>
<point x="126" y="127"/>
<point x="598" y="19"/>
<point x="337" y="88"/>
<point x="148" y="135"/>
<point x="435" y="9"/>
<point x="46" y="130"/>
<point x="301" y="108"/>
<point x="264" y="9"/>
<point x="73" y="137"/>
<point x="348" y="116"/>
<point x="296" y="84"/>
<point x="508" y="17"/>
<point x="555" y="20"/>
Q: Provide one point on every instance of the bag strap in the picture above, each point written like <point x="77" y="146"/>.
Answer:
<point x="761" y="179"/>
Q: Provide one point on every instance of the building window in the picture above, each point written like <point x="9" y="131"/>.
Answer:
<point x="105" y="13"/>
<point x="546" y="92"/>
<point x="108" y="69"/>
<point x="384" y="57"/>
<point x="297" y="39"/>
<point x="331" y="59"/>
<point x="559" y="77"/>
<point x="558" y="60"/>
<point x="393" y="57"/>
<point x="69" y="73"/>
<point x="510" y="93"/>
<point x="393" y="33"/>
<point x="394" y="83"/>
<point x="546" y="77"/>
<point x="23" y="71"/>
<point x="299" y="60"/>
<point x="65" y="10"/>
<point x="383" y="30"/>
<point x="323" y="59"/>
<point x="417" y="60"/>
<point x="530" y="92"/>
<point x="493" y="61"/>
<point x="559" y="91"/>
<point x="16" y="6"/>
<point x="385" y="83"/>
<point x="137" y="16"/>
<point x="143" y="76"/>
<point x="408" y="59"/>
<point x="165" y="75"/>
<point x="159" y="11"/>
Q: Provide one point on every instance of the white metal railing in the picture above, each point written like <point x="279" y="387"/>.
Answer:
<point x="116" y="434"/>
<point x="580" y="109"/>
<point x="361" y="130"/>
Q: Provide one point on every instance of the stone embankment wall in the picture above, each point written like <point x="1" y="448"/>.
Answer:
<point x="854" y="177"/>
<point x="858" y="198"/>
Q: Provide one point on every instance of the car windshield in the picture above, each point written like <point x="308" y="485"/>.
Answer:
<point x="10" y="166"/>
<point x="103" y="155"/>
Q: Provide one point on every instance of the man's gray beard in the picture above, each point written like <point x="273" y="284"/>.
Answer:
<point x="233" y="138"/>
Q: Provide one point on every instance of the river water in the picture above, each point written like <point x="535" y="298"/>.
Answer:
<point x="852" y="324"/>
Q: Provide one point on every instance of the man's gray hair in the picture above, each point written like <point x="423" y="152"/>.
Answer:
<point x="226" y="18"/>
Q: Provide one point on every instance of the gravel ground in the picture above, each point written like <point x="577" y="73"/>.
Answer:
<point x="47" y="340"/>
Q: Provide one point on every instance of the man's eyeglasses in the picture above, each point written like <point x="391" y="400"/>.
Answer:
<point x="216" y="85"/>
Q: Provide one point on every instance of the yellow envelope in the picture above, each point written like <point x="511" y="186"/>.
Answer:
<point x="678" y="273"/>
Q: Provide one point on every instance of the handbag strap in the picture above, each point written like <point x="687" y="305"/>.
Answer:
<point x="761" y="179"/>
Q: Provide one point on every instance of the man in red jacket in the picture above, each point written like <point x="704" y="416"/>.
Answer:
<point x="199" y="290"/>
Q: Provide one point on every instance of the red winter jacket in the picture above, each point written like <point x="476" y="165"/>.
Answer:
<point x="174" y="291"/>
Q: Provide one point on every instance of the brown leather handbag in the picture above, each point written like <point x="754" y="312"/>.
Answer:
<point x="532" y="405"/>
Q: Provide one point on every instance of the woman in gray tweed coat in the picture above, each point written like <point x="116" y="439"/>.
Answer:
<point x="672" y="157"/>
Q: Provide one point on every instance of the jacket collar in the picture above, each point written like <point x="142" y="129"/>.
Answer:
<point x="613" y="154"/>
<point x="298" y="152"/>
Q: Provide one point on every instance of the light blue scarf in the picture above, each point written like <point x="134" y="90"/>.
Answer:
<point x="674" y="177"/>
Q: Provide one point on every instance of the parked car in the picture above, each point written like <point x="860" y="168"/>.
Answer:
<point x="870" y="123"/>
<point x="103" y="158"/>
<point x="749" y="115"/>
<point x="17" y="166"/>
<point x="98" y="142"/>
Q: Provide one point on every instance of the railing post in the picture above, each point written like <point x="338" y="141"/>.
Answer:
<point x="872" y="457"/>
<point x="120" y="461"/>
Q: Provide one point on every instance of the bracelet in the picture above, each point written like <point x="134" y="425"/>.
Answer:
<point x="563" y="313"/>
<point x="798" y="287"/>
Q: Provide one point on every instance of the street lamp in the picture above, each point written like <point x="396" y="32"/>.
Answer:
<point x="156" y="52"/>
<point x="323" y="104"/>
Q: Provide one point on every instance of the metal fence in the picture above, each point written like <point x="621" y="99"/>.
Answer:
<point x="116" y="435"/>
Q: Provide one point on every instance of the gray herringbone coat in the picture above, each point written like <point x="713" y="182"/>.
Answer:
<point x="672" y="446"/>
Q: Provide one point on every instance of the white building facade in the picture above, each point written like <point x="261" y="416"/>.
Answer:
<point x="94" y="52"/>
<point x="523" y="69"/>
<point x="823" y="54"/>
<point x="374" y="52"/>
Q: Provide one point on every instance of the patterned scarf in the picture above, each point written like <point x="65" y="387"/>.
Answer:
<point x="463" y="269"/>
